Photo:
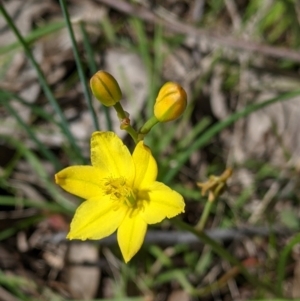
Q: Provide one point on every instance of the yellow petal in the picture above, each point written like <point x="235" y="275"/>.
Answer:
<point x="161" y="202"/>
<point x="145" y="166"/>
<point x="109" y="154"/>
<point x="131" y="234"/>
<point x="96" y="218"/>
<point x="82" y="181"/>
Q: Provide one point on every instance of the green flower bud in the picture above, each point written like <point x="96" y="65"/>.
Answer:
<point x="170" y="102"/>
<point x="105" y="88"/>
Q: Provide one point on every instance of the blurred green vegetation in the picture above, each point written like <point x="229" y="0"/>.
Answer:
<point x="276" y="24"/>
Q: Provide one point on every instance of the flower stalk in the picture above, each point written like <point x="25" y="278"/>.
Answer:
<point x="125" y="122"/>
<point x="146" y="128"/>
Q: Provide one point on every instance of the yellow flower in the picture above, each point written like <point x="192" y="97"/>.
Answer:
<point x="121" y="191"/>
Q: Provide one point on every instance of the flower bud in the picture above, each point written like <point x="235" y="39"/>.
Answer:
<point x="105" y="88"/>
<point x="170" y="102"/>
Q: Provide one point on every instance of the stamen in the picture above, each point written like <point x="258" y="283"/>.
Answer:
<point x="118" y="190"/>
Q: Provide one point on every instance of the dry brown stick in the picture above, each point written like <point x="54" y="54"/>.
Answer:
<point x="184" y="28"/>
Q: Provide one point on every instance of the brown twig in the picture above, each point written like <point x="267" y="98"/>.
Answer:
<point x="184" y="28"/>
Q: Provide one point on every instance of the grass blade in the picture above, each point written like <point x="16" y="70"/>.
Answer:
<point x="37" y="166"/>
<point x="93" y="68"/>
<point x="36" y="109"/>
<point x="223" y="253"/>
<point x="13" y="201"/>
<point x="34" y="35"/>
<point x="43" y="83"/>
<point x="45" y="151"/>
<point x="80" y="70"/>
<point x="282" y="261"/>
<point x="217" y="128"/>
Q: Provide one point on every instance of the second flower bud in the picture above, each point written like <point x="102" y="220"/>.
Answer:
<point x="170" y="102"/>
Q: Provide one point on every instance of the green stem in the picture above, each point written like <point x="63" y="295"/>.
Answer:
<point x="132" y="132"/>
<point x="218" y="249"/>
<point x="146" y="128"/>
<point x="204" y="216"/>
<point x="125" y="125"/>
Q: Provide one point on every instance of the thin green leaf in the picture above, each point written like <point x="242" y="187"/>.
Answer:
<point x="93" y="69"/>
<point x="284" y="255"/>
<point x="8" y="232"/>
<point x="43" y="83"/>
<point x="34" y="35"/>
<point x="218" y="127"/>
<point x="218" y="249"/>
<point x="42" y="148"/>
<point x="43" y="176"/>
<point x="15" y="201"/>
<point x="80" y="70"/>
<point x="35" y="109"/>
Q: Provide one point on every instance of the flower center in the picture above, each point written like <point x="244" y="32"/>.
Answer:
<point x="118" y="190"/>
